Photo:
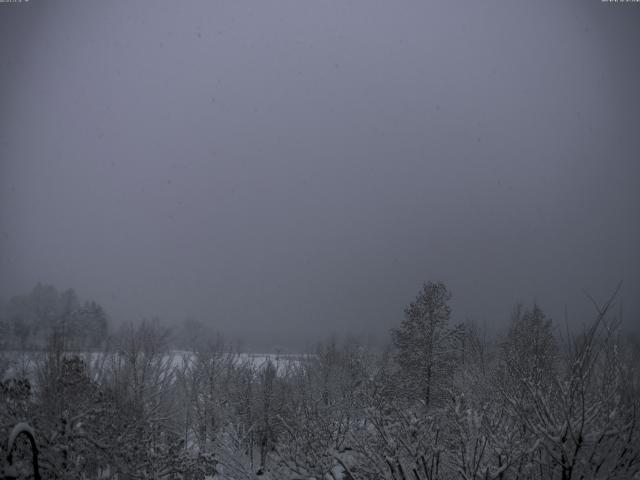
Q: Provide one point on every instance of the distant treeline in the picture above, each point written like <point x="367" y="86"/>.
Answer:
<point x="28" y="321"/>
<point x="442" y="402"/>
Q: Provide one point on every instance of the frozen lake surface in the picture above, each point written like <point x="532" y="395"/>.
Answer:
<point x="23" y="364"/>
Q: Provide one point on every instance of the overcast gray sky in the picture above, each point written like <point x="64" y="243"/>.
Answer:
<point x="288" y="169"/>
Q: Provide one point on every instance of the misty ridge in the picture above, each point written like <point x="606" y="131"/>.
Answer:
<point x="440" y="401"/>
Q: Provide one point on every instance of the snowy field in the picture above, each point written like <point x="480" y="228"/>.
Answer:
<point x="16" y="363"/>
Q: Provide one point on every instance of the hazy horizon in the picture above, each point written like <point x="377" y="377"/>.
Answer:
<point x="283" y="171"/>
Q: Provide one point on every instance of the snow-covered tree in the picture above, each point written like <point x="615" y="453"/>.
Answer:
<point x="426" y="348"/>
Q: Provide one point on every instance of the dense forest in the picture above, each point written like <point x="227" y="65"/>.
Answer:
<point x="442" y="401"/>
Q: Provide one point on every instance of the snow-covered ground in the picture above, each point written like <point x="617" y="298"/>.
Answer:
<point x="17" y="363"/>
